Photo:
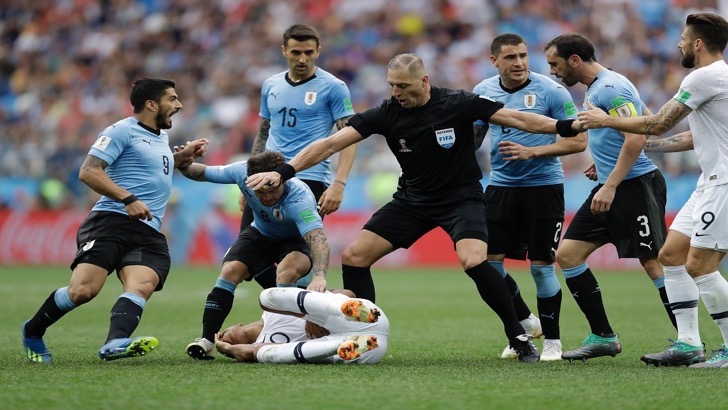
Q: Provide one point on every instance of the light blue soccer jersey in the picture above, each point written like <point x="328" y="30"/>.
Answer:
<point x="614" y="94"/>
<point x="539" y="95"/>
<point x="141" y="162"/>
<point x="292" y="216"/>
<point x="302" y="113"/>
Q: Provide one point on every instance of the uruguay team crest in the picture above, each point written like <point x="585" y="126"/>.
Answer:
<point x="529" y="100"/>
<point x="277" y="213"/>
<point x="446" y="137"/>
<point x="310" y="98"/>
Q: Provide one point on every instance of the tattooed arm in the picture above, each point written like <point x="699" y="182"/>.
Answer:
<point x="316" y="240"/>
<point x="194" y="171"/>
<point x="678" y="142"/>
<point x="666" y="119"/>
<point x="93" y="174"/>
<point x="262" y="137"/>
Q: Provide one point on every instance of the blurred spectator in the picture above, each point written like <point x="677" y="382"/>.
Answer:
<point x="66" y="65"/>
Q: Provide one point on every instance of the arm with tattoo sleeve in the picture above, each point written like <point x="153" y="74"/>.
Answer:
<point x="316" y="240"/>
<point x="262" y="137"/>
<point x="93" y="174"/>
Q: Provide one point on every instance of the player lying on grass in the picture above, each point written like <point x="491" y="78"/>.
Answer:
<point x="299" y="326"/>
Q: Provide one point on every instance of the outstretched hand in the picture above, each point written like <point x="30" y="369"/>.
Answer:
<point x="185" y="155"/>
<point x="592" y="118"/>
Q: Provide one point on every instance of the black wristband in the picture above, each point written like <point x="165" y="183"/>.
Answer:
<point x="130" y="199"/>
<point x="287" y="172"/>
<point x="563" y="127"/>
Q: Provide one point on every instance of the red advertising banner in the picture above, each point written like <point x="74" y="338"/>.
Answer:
<point x="49" y="238"/>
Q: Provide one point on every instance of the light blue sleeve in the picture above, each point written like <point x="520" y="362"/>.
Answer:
<point x="111" y="143"/>
<point x="340" y="100"/>
<point x="264" y="113"/>
<point x="561" y="105"/>
<point x="303" y="212"/>
<point x="235" y="173"/>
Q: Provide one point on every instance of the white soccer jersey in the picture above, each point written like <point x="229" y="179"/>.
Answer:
<point x="705" y="91"/>
<point x="279" y="328"/>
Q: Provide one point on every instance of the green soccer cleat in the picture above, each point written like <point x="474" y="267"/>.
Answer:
<point x="678" y="353"/>
<point x="718" y="361"/>
<point x="594" y="346"/>
<point x="127" y="347"/>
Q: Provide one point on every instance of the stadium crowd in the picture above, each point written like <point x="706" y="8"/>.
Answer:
<point x="66" y="65"/>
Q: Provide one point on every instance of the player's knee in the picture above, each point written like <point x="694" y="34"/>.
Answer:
<point x="234" y="272"/>
<point x="566" y="259"/>
<point x="288" y="276"/>
<point x="353" y="257"/>
<point x="82" y="293"/>
<point x="668" y="257"/>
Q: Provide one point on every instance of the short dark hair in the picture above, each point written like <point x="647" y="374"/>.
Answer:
<point x="570" y="44"/>
<point x="508" y="39"/>
<point x="265" y="161"/>
<point x="711" y="28"/>
<point x="146" y="89"/>
<point x="300" y="32"/>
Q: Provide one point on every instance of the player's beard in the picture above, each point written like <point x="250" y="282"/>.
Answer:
<point x="163" y="121"/>
<point x="688" y="60"/>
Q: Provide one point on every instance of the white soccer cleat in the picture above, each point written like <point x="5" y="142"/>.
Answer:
<point x="201" y="349"/>
<point x="551" y="350"/>
<point x="534" y="330"/>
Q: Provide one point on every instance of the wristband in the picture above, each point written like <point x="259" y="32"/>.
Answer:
<point x="129" y="200"/>
<point x="563" y="127"/>
<point x="287" y="172"/>
<point x="340" y="182"/>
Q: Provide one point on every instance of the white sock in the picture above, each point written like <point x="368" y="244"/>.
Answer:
<point x="714" y="292"/>
<point x="683" y="295"/>
<point x="529" y="322"/>
<point x="296" y="301"/>
<point x="301" y="352"/>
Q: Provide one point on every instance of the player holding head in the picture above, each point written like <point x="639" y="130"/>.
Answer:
<point x="286" y="231"/>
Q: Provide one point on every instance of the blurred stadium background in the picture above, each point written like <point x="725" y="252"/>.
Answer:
<point x="66" y="67"/>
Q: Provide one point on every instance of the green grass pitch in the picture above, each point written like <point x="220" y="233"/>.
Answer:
<point x="443" y="353"/>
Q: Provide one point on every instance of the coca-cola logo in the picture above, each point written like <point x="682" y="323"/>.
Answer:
<point x="39" y="237"/>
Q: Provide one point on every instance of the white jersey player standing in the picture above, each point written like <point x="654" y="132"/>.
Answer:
<point x="692" y="256"/>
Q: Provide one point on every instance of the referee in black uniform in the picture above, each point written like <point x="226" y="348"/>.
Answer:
<point x="430" y="131"/>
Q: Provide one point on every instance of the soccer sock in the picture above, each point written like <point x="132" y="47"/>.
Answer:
<point x="359" y="281"/>
<point x="587" y="294"/>
<point x="714" y="292"/>
<point x="660" y="285"/>
<point x="125" y="315"/>
<point x="297" y="300"/>
<point x="218" y="305"/>
<point x="548" y="299"/>
<point x="494" y="291"/>
<point x="683" y="294"/>
<point x="522" y="310"/>
<point x="301" y="352"/>
<point x="267" y="278"/>
<point x="57" y="305"/>
<point x="549" y="311"/>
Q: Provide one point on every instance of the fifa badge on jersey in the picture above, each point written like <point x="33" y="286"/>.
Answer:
<point x="102" y="142"/>
<point x="529" y="100"/>
<point x="278" y="214"/>
<point x="310" y="97"/>
<point x="683" y="95"/>
<point x="446" y="137"/>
